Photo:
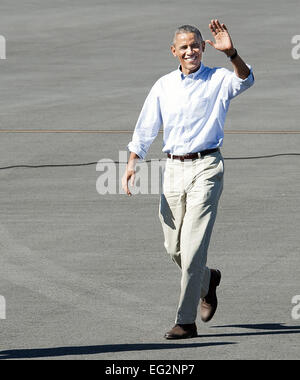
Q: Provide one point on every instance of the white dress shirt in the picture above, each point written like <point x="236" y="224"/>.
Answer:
<point x="191" y="108"/>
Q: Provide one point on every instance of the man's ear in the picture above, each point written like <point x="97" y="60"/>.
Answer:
<point x="203" y="46"/>
<point x="173" y="50"/>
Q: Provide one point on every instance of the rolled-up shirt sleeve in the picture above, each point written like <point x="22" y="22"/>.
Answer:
<point x="148" y="124"/>
<point x="236" y="85"/>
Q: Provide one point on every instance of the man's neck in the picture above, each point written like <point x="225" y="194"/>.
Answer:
<point x="188" y="72"/>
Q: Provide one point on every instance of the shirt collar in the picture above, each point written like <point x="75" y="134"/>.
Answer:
<point x="194" y="75"/>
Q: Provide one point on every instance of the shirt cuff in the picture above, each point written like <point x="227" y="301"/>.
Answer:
<point x="250" y="77"/>
<point x="135" y="148"/>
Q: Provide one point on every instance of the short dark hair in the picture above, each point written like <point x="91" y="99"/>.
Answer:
<point x="188" y="29"/>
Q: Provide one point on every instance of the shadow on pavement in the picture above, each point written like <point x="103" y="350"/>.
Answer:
<point x="147" y="161"/>
<point x="101" y="349"/>
<point x="269" y="329"/>
<point x="263" y="326"/>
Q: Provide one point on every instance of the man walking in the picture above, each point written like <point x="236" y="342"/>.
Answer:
<point x="191" y="103"/>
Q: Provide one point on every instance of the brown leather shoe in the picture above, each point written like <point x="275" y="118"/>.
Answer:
<point x="182" y="332"/>
<point x="209" y="304"/>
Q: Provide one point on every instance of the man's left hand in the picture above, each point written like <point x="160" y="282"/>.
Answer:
<point x="222" y="38"/>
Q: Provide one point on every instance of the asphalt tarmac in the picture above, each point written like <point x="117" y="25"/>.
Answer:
<point x="85" y="275"/>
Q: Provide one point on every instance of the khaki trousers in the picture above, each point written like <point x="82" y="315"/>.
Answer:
<point x="188" y="209"/>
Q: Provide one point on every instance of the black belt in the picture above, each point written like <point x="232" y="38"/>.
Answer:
<point x="194" y="156"/>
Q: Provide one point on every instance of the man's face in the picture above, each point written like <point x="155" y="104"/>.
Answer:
<point x="188" y="49"/>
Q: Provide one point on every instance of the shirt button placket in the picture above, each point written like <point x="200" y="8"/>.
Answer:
<point x="186" y="111"/>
